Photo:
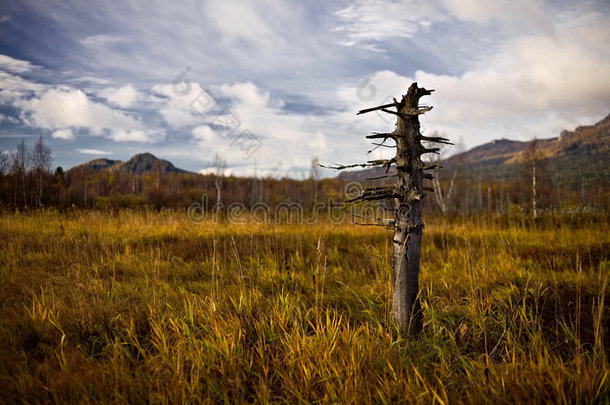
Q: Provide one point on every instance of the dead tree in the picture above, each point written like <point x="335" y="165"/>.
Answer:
<point x="314" y="176"/>
<point x="219" y="165"/>
<point x="443" y="197"/>
<point x="407" y="192"/>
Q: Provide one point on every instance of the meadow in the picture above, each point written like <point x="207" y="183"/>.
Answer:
<point x="147" y="307"/>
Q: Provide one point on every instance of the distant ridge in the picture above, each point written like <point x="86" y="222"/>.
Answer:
<point x="139" y="164"/>
<point x="100" y="163"/>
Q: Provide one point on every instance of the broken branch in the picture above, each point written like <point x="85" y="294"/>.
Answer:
<point x="370" y="163"/>
<point x="436" y="139"/>
<point x="367" y="110"/>
<point x="374" y="193"/>
<point x="377" y="135"/>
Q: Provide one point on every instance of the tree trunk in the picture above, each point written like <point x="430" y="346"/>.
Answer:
<point x="534" y="196"/>
<point x="408" y="214"/>
<point x="23" y="178"/>
<point x="218" y="186"/>
<point x="40" y="174"/>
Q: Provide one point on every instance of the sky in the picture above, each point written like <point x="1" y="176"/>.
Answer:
<point x="268" y="85"/>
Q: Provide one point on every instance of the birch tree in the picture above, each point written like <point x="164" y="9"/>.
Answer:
<point x="314" y="176"/>
<point x="4" y="161"/>
<point x="219" y="165"/>
<point x="535" y="175"/>
<point x="41" y="163"/>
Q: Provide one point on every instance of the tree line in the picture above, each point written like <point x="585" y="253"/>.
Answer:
<point x="28" y="181"/>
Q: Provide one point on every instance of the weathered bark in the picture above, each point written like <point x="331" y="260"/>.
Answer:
<point x="408" y="229"/>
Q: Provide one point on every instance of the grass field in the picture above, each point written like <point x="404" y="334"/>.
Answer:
<point x="147" y="307"/>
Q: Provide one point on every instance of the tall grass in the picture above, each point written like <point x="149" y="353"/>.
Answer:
<point x="147" y="307"/>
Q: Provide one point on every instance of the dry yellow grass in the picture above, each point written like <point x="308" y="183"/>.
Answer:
<point x="147" y="307"/>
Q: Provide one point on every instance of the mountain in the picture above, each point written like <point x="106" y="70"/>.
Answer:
<point x="574" y="160"/>
<point x="139" y="164"/>
<point x="145" y="163"/>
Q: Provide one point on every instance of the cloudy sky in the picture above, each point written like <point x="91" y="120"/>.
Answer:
<point x="273" y="83"/>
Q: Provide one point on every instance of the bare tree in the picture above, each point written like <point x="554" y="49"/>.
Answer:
<point x="19" y="167"/>
<point x="314" y="176"/>
<point x="219" y="165"/>
<point x="407" y="192"/>
<point x="41" y="163"/>
<point x="4" y="166"/>
<point x="479" y="194"/>
<point x="533" y="157"/>
<point x="443" y="198"/>
<point x="533" y="171"/>
<point x="4" y="161"/>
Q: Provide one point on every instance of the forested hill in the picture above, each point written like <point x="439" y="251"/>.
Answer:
<point x="142" y="163"/>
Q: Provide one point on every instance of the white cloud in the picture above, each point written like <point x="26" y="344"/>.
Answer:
<point x="534" y="75"/>
<point x="15" y="65"/>
<point x="183" y="105"/>
<point x="247" y="94"/>
<point x="280" y="138"/>
<point x="93" y="152"/>
<point x="204" y="133"/>
<point x="100" y="40"/>
<point x="317" y="142"/>
<point x="62" y="108"/>
<point x="123" y="97"/>
<point x="368" y="23"/>
<point x="519" y="12"/>
<point x="90" y="80"/>
<point x="225" y="172"/>
<point x="366" y="20"/>
<point x="134" y="135"/>
<point x="248" y="21"/>
<point x="63" y="134"/>
<point x="13" y="87"/>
